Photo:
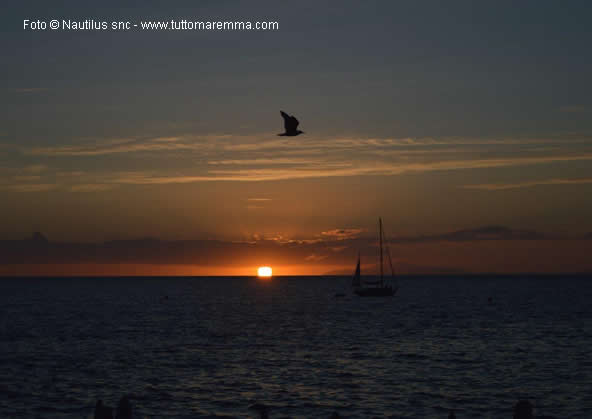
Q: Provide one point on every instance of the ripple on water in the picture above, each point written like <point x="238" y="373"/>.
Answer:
<point x="217" y="346"/>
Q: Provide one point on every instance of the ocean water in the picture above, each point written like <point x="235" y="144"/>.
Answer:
<point x="211" y="347"/>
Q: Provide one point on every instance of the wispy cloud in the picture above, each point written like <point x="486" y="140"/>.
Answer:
<point x="475" y="250"/>
<point x="247" y="147"/>
<point x="315" y="258"/>
<point x="32" y="187"/>
<point x="30" y="89"/>
<point x="115" y="146"/>
<point x="91" y="187"/>
<point x="34" y="168"/>
<point x="265" y="162"/>
<point x="338" y="249"/>
<point x="480" y="233"/>
<point x="529" y="184"/>
<point x="80" y="181"/>
<point x="342" y="234"/>
<point x="339" y="169"/>
<point x="225" y="158"/>
<point x="26" y="178"/>
<point x="576" y="109"/>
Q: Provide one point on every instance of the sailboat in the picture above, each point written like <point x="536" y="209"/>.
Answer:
<point x="377" y="288"/>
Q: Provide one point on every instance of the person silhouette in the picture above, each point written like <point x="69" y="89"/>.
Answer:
<point x="262" y="409"/>
<point x="124" y="409"/>
<point x="102" y="412"/>
<point x="523" y="410"/>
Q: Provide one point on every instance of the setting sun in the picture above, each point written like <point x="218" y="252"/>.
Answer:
<point x="264" y="272"/>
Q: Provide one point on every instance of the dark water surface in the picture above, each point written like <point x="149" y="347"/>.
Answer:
<point x="218" y="345"/>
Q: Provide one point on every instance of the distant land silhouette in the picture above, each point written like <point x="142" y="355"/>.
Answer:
<point x="456" y="252"/>
<point x="485" y="233"/>
<point x="38" y="238"/>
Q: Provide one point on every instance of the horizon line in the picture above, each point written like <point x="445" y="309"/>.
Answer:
<point x="409" y="275"/>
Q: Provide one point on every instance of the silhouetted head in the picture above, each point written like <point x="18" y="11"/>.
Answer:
<point x="523" y="410"/>
<point x="102" y="412"/>
<point x="124" y="408"/>
<point x="261" y="409"/>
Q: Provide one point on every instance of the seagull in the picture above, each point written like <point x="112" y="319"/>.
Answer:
<point x="290" y="125"/>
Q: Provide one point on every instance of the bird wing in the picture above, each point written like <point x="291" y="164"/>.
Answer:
<point x="290" y="122"/>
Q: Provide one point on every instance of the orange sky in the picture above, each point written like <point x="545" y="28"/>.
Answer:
<point x="439" y="119"/>
<point x="475" y="251"/>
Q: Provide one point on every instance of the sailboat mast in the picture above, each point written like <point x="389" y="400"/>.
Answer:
<point x="380" y="234"/>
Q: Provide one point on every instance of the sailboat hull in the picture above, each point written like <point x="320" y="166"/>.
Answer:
<point x="376" y="292"/>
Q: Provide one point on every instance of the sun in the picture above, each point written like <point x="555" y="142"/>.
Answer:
<point x="264" y="272"/>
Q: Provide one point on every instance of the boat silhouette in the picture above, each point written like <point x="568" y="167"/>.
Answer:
<point x="379" y="287"/>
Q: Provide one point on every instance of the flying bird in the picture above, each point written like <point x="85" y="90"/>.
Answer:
<point x="290" y="125"/>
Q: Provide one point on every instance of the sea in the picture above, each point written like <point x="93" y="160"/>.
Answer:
<point x="217" y="347"/>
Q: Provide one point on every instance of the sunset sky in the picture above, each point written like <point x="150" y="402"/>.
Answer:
<point x="438" y="116"/>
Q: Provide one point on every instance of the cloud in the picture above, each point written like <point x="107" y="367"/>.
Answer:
<point x="315" y="258"/>
<point x="484" y="249"/>
<point x="338" y="248"/>
<point x="115" y="146"/>
<point x="91" y="187"/>
<point x="224" y="158"/>
<point x="529" y="184"/>
<point x="342" y="234"/>
<point x="139" y="178"/>
<point x="254" y="149"/>
<point x="478" y="234"/>
<point x="26" y="178"/>
<point x="576" y="109"/>
<point x="340" y="169"/>
<point x="30" y="89"/>
<point x="35" y="168"/>
<point x="32" y="187"/>
<point x="264" y="162"/>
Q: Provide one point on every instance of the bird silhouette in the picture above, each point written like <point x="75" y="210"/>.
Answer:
<point x="290" y="125"/>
